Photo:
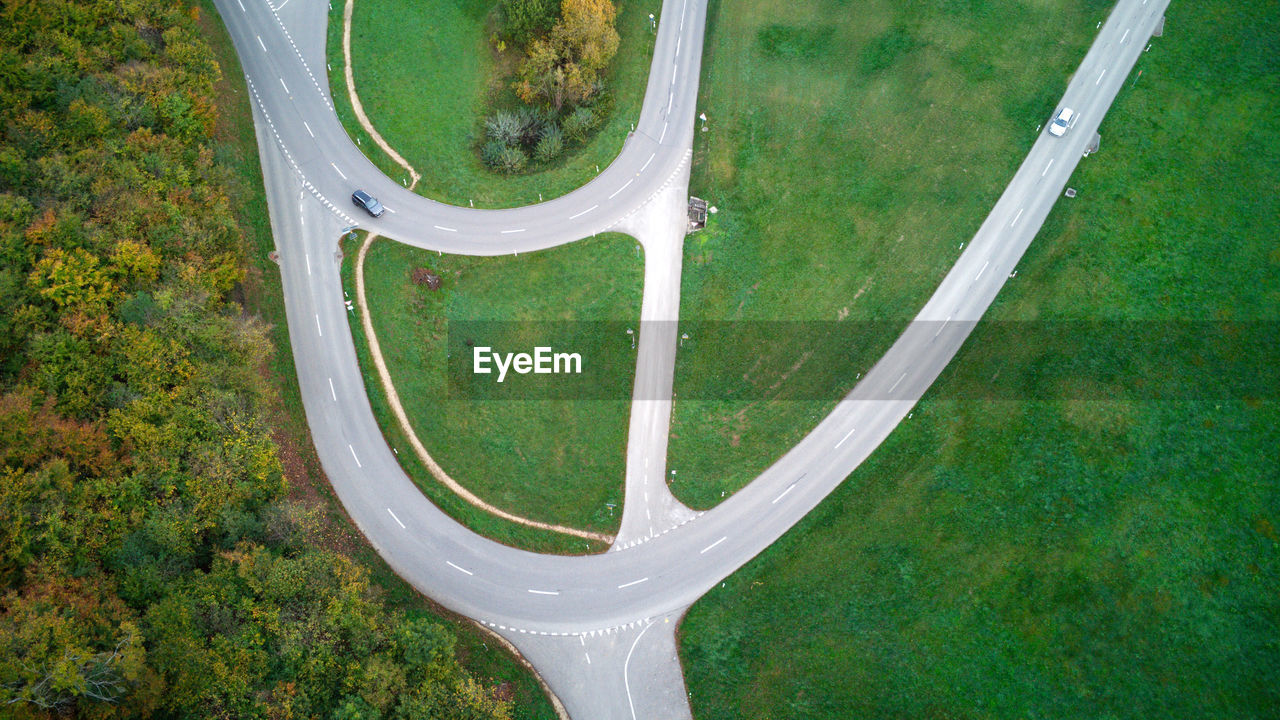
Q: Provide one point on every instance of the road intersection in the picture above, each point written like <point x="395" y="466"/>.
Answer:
<point x="599" y="629"/>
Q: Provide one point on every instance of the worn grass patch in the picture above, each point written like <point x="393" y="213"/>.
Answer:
<point x="852" y="148"/>
<point x="548" y="447"/>
<point x="424" y="69"/>
<point x="1060" y="553"/>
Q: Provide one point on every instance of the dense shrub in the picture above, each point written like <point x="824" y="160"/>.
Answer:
<point x="551" y="144"/>
<point x="578" y="124"/>
<point x="522" y="20"/>
<point x="504" y="127"/>
<point x="512" y="159"/>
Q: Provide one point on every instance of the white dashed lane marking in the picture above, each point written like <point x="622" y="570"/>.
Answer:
<point x="1046" y="167"/>
<point x="543" y="592"/>
<point x="846" y="437"/>
<point x="904" y="377"/>
<point x="318" y="328"/>
<point x="624" y="187"/>
<point x="333" y="392"/>
<point x="984" y="267"/>
<point x="703" y="550"/>
<point x="459" y="569"/>
<point x="335" y="167"/>
<point x="646" y="162"/>
<point x="508" y="232"/>
<point x="446" y="229"/>
<point x="783" y="494"/>
<point x="264" y="45"/>
<point x="308" y="127"/>
<point x="353" y="455"/>
<point x="584" y="212"/>
<point x="633" y="582"/>
<point x="286" y="87"/>
<point x="1015" y="217"/>
<point x="393" y="517"/>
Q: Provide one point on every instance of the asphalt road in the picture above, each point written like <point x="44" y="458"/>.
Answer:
<point x="623" y="603"/>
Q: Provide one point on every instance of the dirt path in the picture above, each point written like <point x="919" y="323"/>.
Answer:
<point x="355" y="99"/>
<point x="393" y="399"/>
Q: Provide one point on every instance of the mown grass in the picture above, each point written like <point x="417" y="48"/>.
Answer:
<point x="1096" y="545"/>
<point x="236" y="149"/>
<point x="547" y="447"/>
<point x="426" y="75"/>
<point x="851" y="149"/>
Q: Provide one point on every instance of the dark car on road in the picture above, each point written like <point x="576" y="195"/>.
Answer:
<point x="368" y="202"/>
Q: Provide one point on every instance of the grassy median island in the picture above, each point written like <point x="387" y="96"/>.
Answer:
<point x="426" y="75"/>
<point x="548" y="447"/>
<point x="1100" y="542"/>
<point x="851" y="149"/>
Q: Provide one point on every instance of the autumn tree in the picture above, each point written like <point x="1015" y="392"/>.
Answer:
<point x="565" y="66"/>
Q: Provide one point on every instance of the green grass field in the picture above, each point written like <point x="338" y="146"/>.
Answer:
<point x="236" y="149"/>
<point x="425" y="74"/>
<point x="548" y="447"/>
<point x="852" y="149"/>
<point x="1097" y="537"/>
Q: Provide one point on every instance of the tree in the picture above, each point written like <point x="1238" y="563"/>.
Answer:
<point x="565" y="67"/>
<point x="522" y="20"/>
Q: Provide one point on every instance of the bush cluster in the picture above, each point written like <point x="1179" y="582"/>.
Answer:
<point x="566" y="49"/>
<point x="514" y="138"/>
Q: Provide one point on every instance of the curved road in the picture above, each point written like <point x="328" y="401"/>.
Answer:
<point x="598" y="628"/>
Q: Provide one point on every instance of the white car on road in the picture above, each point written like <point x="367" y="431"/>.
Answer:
<point x="1062" y="122"/>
